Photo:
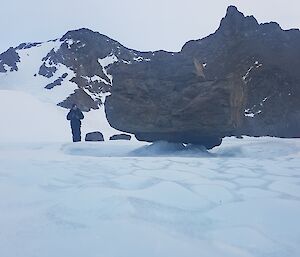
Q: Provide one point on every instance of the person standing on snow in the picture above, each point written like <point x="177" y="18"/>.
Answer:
<point x="75" y="116"/>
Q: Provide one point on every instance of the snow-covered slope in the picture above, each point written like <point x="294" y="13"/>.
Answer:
<point x="27" y="78"/>
<point x="27" y="118"/>
<point x="37" y="80"/>
<point x="105" y="199"/>
<point x="72" y="69"/>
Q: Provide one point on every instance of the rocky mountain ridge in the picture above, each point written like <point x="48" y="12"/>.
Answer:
<point x="241" y="80"/>
<point x="80" y="58"/>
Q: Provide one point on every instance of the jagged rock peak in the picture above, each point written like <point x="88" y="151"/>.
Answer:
<point x="235" y="21"/>
<point x="233" y="11"/>
<point x="92" y="40"/>
<point x="85" y="33"/>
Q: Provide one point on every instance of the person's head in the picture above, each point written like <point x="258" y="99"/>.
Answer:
<point x="74" y="107"/>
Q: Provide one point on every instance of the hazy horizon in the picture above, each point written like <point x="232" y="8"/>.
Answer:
<point x="153" y="25"/>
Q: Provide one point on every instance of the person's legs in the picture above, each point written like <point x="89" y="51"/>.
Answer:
<point x="76" y="133"/>
<point x="79" y="133"/>
<point x="73" y="133"/>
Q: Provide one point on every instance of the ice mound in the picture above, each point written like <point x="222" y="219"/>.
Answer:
<point x="133" y="149"/>
<point x="163" y="148"/>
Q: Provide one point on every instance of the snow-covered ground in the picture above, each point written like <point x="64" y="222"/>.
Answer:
<point x="129" y="199"/>
<point x="26" y="118"/>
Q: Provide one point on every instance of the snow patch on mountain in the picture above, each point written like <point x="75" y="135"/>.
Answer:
<point x="30" y="99"/>
<point x="246" y="77"/>
<point x="96" y="96"/>
<point x="95" y="78"/>
<point x="28" y="80"/>
<point x="250" y="111"/>
<point x="6" y="67"/>
<point x="70" y="42"/>
<point x="141" y="59"/>
<point x="251" y="114"/>
<point x="108" y="60"/>
<point x="105" y="62"/>
<point x="126" y="62"/>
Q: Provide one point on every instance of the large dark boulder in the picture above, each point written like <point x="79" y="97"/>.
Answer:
<point x="243" y="79"/>
<point x="175" y="107"/>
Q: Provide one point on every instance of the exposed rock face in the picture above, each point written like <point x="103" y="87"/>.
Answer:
<point x="267" y="58"/>
<point x="94" y="136"/>
<point x="89" y="55"/>
<point x="175" y="107"/>
<point x="243" y="79"/>
<point x="46" y="71"/>
<point x="81" y="58"/>
<point x="57" y="82"/>
<point x="9" y="60"/>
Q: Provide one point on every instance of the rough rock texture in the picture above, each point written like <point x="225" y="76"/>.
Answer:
<point x="94" y="136"/>
<point x="47" y="71"/>
<point x="57" y="82"/>
<point x="89" y="55"/>
<point x="175" y="107"/>
<point x="9" y="60"/>
<point x="243" y="79"/>
<point x="267" y="58"/>
<point x="82" y="57"/>
<point x="120" y="137"/>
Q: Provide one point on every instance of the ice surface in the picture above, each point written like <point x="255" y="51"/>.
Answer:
<point x="130" y="199"/>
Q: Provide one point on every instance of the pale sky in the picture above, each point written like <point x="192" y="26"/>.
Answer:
<point x="139" y="24"/>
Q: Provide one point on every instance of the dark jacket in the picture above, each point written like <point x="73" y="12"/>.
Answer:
<point x="75" y="116"/>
